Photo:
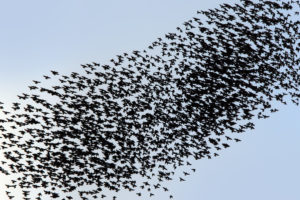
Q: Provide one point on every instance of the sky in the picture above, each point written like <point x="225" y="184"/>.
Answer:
<point x="39" y="36"/>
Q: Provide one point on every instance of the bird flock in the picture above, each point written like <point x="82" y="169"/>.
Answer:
<point x="147" y="113"/>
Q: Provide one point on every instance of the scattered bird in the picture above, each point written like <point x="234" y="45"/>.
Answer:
<point x="46" y="77"/>
<point x="54" y="72"/>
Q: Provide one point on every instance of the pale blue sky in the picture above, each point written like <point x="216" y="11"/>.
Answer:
<point x="37" y="36"/>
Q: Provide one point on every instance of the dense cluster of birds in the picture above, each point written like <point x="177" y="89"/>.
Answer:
<point x="148" y="112"/>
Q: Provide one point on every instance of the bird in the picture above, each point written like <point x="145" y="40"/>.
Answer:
<point x="54" y="72"/>
<point x="36" y="82"/>
<point x="46" y="77"/>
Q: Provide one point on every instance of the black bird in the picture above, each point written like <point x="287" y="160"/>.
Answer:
<point x="36" y="82"/>
<point x="46" y="77"/>
<point x="54" y="72"/>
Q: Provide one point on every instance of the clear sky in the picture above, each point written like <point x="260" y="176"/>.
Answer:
<point x="38" y="36"/>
